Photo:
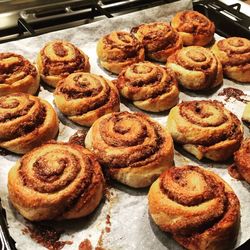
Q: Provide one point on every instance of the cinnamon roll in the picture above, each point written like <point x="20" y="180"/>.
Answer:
<point x="56" y="181"/>
<point x="234" y="54"/>
<point x="197" y="207"/>
<point x="193" y="27"/>
<point x="26" y="122"/>
<point x="17" y="74"/>
<point x="85" y="97"/>
<point x="132" y="148"/>
<point x="58" y="59"/>
<point x="159" y="39"/>
<point x="241" y="167"/>
<point x="205" y="129"/>
<point x="150" y="86"/>
<point x="196" y="68"/>
<point x="118" y="50"/>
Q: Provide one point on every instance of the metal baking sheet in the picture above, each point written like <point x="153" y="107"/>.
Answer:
<point x="121" y="221"/>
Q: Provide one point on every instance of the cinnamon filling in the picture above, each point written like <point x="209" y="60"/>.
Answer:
<point x="79" y="137"/>
<point x="150" y="85"/>
<point x="9" y="116"/>
<point x="82" y="88"/>
<point x="195" y="23"/>
<point x="157" y="40"/>
<point x="200" y="111"/>
<point x="129" y="132"/>
<point x="186" y="181"/>
<point x="237" y="49"/>
<point x="29" y="126"/>
<point x="199" y="114"/>
<point x="234" y="93"/>
<point x="191" y="187"/>
<point x="126" y="46"/>
<point x="70" y="65"/>
<point x="59" y="49"/>
<point x="198" y="60"/>
<point x="16" y="66"/>
<point x="241" y="167"/>
<point x="56" y="170"/>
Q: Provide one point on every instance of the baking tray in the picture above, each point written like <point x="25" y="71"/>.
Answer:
<point x="80" y="36"/>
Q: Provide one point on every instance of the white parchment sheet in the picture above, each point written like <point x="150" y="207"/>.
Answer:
<point x="130" y="225"/>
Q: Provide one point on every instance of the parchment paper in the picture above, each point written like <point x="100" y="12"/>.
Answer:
<point x="130" y="225"/>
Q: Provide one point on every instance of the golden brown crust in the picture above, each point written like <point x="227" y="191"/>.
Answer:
<point x="17" y="74"/>
<point x="234" y="54"/>
<point x="56" y="181"/>
<point x="85" y="97"/>
<point x="150" y="86"/>
<point x="197" y="207"/>
<point x="205" y="129"/>
<point x="242" y="160"/>
<point x="193" y="27"/>
<point x="118" y="50"/>
<point x="132" y="148"/>
<point x="25" y="122"/>
<point x="58" y="59"/>
<point x="159" y="39"/>
<point x="196" y="68"/>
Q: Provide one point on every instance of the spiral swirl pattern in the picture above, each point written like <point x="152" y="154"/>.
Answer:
<point x="234" y="54"/>
<point x="133" y="148"/>
<point x="25" y="122"/>
<point x="17" y="74"/>
<point x="58" y="59"/>
<point x="159" y="39"/>
<point x="193" y="27"/>
<point x="196" y="206"/>
<point x="118" y="50"/>
<point x="196" y="68"/>
<point x="56" y="181"/>
<point x="85" y="97"/>
<point x="205" y="129"/>
<point x="150" y="86"/>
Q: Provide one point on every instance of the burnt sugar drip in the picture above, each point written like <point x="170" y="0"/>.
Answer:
<point x="127" y="45"/>
<point x="193" y="21"/>
<point x="14" y="67"/>
<point x="56" y="175"/>
<point x="18" y="116"/>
